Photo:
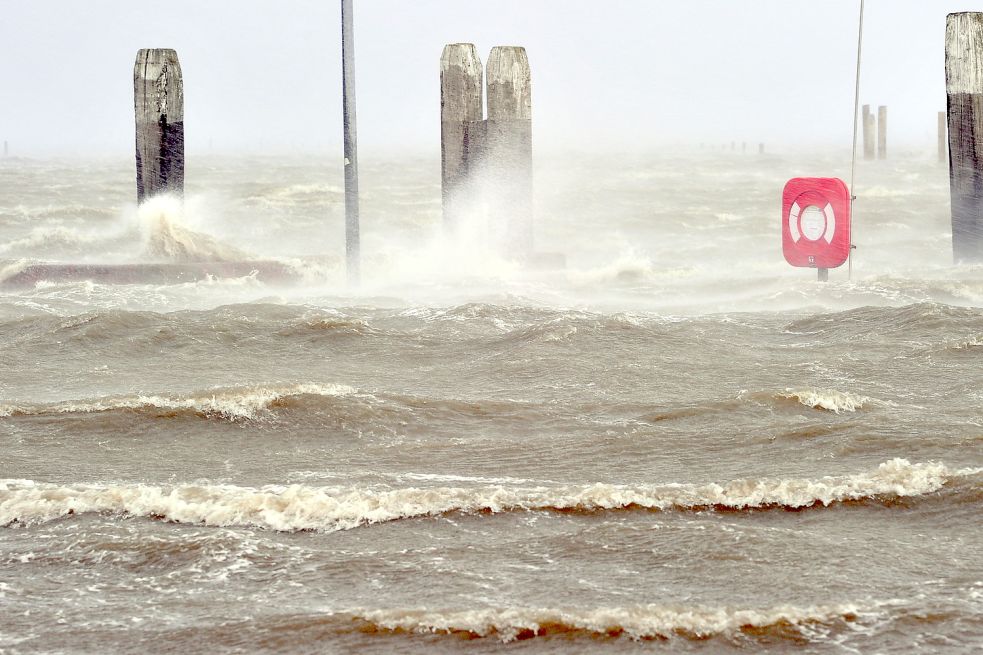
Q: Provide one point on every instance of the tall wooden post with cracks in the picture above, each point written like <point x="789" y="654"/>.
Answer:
<point x="964" y="89"/>
<point x="158" y="98"/>
<point x="509" y="146"/>
<point x="461" y="126"/>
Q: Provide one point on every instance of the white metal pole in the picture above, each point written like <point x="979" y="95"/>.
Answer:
<point x="352" y="254"/>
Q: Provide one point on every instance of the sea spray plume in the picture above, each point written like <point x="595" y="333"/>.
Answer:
<point x="301" y="507"/>
<point x="162" y="219"/>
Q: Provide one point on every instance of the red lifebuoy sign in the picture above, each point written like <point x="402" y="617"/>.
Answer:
<point x="816" y="222"/>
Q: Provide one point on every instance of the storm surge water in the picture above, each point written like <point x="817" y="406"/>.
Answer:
<point x="675" y="438"/>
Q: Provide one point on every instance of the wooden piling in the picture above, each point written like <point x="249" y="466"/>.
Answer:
<point x="6" y="149"/>
<point x="964" y="89"/>
<point x="882" y="132"/>
<point x="352" y="230"/>
<point x="943" y="147"/>
<point x="508" y="148"/>
<point x="158" y="98"/>
<point x="868" y="134"/>
<point x="461" y="126"/>
<point x="761" y="148"/>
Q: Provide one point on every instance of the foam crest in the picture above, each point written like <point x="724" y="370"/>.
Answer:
<point x="48" y="238"/>
<point x="301" y="507"/>
<point x="639" y="622"/>
<point x="829" y="400"/>
<point x="237" y="403"/>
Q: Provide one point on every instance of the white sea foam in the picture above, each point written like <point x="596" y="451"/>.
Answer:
<point x="301" y="507"/>
<point x="832" y="401"/>
<point x="638" y="622"/>
<point x="235" y="403"/>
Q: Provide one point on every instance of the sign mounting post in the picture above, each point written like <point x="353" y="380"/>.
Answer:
<point x="352" y="239"/>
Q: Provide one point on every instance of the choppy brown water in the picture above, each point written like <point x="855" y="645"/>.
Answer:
<point x="677" y="443"/>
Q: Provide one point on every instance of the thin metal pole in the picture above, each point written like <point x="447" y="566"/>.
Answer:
<point x="352" y="254"/>
<point x="856" y="111"/>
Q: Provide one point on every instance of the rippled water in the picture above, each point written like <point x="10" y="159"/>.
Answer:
<point x="677" y="438"/>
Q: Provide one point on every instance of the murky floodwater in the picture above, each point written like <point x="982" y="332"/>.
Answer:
<point x="676" y="438"/>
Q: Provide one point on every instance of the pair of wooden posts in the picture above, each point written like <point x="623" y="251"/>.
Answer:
<point x="486" y="163"/>
<point x="869" y="123"/>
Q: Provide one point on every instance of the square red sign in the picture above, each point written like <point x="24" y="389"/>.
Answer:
<point x="816" y="222"/>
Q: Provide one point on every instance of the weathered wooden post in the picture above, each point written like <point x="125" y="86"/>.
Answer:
<point x="868" y="133"/>
<point x="158" y="100"/>
<point x="461" y="125"/>
<point x="943" y="148"/>
<point x="508" y="146"/>
<point x="964" y="88"/>
<point x="6" y="149"/>
<point x="352" y="237"/>
<point x="882" y="132"/>
<point x="761" y="148"/>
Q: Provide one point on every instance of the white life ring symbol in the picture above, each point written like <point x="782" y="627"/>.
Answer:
<point x="817" y="223"/>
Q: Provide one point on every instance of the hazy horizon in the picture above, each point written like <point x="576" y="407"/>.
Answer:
<point x="260" y="78"/>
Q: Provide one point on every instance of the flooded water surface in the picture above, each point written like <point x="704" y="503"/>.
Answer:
<point x="676" y="443"/>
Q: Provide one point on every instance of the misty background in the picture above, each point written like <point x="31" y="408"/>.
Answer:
<point x="264" y="77"/>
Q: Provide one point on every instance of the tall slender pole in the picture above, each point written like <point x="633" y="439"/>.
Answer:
<point x="856" y="111"/>
<point x="352" y="256"/>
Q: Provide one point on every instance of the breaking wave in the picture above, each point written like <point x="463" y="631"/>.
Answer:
<point x="301" y="507"/>
<point x="59" y="239"/>
<point x="234" y="404"/>
<point x="642" y="622"/>
<point x="819" y="399"/>
<point x="831" y="401"/>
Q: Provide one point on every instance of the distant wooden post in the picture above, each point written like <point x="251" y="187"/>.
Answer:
<point x="964" y="88"/>
<point x="761" y="148"/>
<point x="352" y="232"/>
<point x="882" y="132"/>
<point x="6" y="149"/>
<point x="868" y="133"/>
<point x="508" y="147"/>
<point x="943" y="148"/>
<point x="158" y="100"/>
<point x="461" y="124"/>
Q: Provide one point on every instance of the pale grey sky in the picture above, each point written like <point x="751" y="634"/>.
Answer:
<point x="265" y="75"/>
